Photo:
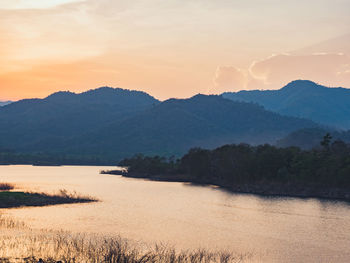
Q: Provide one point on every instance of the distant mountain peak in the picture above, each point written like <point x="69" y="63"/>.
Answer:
<point x="302" y="84"/>
<point x="4" y="103"/>
<point x="104" y="94"/>
<point x="303" y="98"/>
<point x="198" y="99"/>
<point x="111" y="93"/>
<point x="107" y="89"/>
<point x="61" y="94"/>
<point x="201" y="96"/>
<point x="103" y="89"/>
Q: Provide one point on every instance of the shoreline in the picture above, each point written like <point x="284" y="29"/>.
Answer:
<point x="264" y="189"/>
<point x="15" y="199"/>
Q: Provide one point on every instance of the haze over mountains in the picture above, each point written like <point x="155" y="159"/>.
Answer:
<point x="119" y="123"/>
<point x="302" y="98"/>
<point x="116" y="123"/>
<point x="175" y="125"/>
<point x="311" y="137"/>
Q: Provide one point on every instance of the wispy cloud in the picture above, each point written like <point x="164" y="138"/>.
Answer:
<point x="171" y="48"/>
<point x="277" y="70"/>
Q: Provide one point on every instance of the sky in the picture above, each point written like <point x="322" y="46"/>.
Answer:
<point x="170" y="48"/>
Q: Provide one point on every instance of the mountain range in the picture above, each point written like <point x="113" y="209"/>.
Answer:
<point x="302" y="98"/>
<point x="116" y="123"/>
<point x="65" y="114"/>
<point x="3" y="103"/>
<point x="176" y="125"/>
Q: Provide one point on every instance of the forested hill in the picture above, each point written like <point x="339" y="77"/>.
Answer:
<point x="176" y="125"/>
<point x="302" y="98"/>
<point x="115" y="123"/>
<point x="65" y="114"/>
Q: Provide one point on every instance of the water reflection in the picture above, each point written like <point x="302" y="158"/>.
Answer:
<point x="275" y="229"/>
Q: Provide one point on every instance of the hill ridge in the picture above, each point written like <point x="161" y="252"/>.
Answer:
<point x="303" y="98"/>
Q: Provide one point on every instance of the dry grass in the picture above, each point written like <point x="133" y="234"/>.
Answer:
<point x="27" y="245"/>
<point x="83" y="248"/>
<point x="6" y="187"/>
<point x="75" y="196"/>
<point x="9" y="223"/>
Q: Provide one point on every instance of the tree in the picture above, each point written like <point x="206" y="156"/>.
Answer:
<point x="326" y="141"/>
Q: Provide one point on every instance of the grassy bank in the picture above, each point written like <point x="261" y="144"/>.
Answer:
<point x="9" y="199"/>
<point x="54" y="246"/>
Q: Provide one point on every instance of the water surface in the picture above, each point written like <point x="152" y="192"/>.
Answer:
<point x="185" y="216"/>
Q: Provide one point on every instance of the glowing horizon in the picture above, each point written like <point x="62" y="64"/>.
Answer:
<point x="168" y="48"/>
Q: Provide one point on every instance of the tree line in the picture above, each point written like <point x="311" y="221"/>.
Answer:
<point x="237" y="164"/>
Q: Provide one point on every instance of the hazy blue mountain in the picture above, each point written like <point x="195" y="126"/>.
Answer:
<point x="305" y="99"/>
<point x="118" y="123"/>
<point x="65" y="114"/>
<point x="311" y="137"/>
<point x="4" y="103"/>
<point x="176" y="125"/>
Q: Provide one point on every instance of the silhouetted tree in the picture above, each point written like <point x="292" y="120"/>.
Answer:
<point x="326" y="141"/>
<point x="232" y="165"/>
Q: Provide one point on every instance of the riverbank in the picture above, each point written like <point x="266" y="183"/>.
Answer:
<point x="11" y="199"/>
<point x="263" y="169"/>
<point x="153" y="177"/>
<point x="263" y="188"/>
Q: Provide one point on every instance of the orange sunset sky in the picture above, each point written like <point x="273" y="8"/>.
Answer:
<point x="170" y="48"/>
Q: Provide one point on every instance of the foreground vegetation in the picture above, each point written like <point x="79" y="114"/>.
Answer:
<point x="55" y="246"/>
<point x="263" y="169"/>
<point x="9" y="199"/>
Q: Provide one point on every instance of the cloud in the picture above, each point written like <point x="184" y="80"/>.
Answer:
<point x="276" y="71"/>
<point x="328" y="69"/>
<point x="229" y="78"/>
<point x="65" y="32"/>
<point x="335" y="45"/>
<point x="168" y="48"/>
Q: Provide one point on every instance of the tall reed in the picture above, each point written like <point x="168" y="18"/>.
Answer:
<point x="22" y="244"/>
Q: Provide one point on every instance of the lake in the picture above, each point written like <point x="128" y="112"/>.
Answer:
<point x="186" y="216"/>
